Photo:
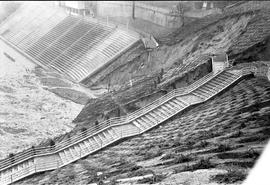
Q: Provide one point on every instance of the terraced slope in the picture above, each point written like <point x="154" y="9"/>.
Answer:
<point x="230" y="130"/>
<point x="93" y="139"/>
<point x="72" y="45"/>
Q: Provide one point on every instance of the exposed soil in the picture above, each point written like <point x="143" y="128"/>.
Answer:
<point x="29" y="114"/>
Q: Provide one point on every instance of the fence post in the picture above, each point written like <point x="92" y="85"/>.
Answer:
<point x="11" y="178"/>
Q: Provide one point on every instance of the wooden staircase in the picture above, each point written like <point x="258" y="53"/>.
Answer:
<point x="95" y="138"/>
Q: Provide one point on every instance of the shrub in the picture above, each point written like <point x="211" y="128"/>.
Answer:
<point x="11" y="155"/>
<point x="51" y="142"/>
<point x="153" y="152"/>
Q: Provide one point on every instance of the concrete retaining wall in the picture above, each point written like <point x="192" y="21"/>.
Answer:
<point x="153" y="14"/>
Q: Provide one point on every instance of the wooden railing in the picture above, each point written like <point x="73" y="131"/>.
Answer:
<point x="32" y="153"/>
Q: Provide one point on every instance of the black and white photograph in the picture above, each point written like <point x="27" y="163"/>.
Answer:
<point x="134" y="92"/>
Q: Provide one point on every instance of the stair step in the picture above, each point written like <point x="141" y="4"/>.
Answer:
<point x="113" y="133"/>
<point x="165" y="110"/>
<point x="73" y="152"/>
<point x="93" y="143"/>
<point x="83" y="147"/>
<point x="227" y="74"/>
<point x="171" y="108"/>
<point x="63" y="157"/>
<point x="137" y="124"/>
<point x="143" y="124"/>
<point x="78" y="150"/>
<point x="209" y="87"/>
<point x="148" y="121"/>
<point x="108" y="135"/>
<point x="157" y="117"/>
<point x="68" y="153"/>
<point x="174" y="105"/>
<point x="98" y="141"/>
<point x="217" y="84"/>
<point x="222" y="80"/>
<point x="213" y="86"/>
<point x="88" y="145"/>
<point x="182" y="102"/>
<point x="148" y="116"/>
<point x="102" y="139"/>
<point x="179" y="103"/>
<point x="199" y="95"/>
<point x="160" y="113"/>
<point x="205" y="91"/>
<point x="202" y="93"/>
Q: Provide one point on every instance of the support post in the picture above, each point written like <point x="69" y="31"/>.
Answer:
<point x="133" y="9"/>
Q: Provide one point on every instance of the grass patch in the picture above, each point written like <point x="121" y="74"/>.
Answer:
<point x="177" y="159"/>
<point x="242" y="155"/>
<point x="242" y="164"/>
<point x="140" y="172"/>
<point x="222" y="148"/>
<point x="232" y="176"/>
<point x="256" y="138"/>
<point x="201" y="164"/>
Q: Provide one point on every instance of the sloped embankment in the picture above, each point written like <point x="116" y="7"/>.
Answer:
<point x="227" y="132"/>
